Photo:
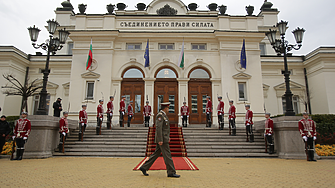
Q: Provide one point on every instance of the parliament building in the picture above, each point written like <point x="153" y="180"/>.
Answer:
<point x="212" y="46"/>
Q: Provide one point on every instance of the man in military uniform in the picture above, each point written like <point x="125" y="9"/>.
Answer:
<point x="147" y="113"/>
<point x="130" y="112"/>
<point x="57" y="106"/>
<point x="220" y="110"/>
<point x="63" y="130"/>
<point x="21" y="133"/>
<point x="308" y="134"/>
<point x="268" y="131"/>
<point x="232" y="116"/>
<point x="208" y="112"/>
<point x="162" y="138"/>
<point x="110" y="109"/>
<point x="249" y="123"/>
<point x="82" y="121"/>
<point x="185" y="112"/>
<point x="100" y="115"/>
<point x="122" y="109"/>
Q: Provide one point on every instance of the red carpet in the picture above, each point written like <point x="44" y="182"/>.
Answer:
<point x="177" y="147"/>
<point x="180" y="163"/>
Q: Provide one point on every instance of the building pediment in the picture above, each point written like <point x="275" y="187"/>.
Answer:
<point x="293" y="85"/>
<point x="50" y="85"/>
<point x="265" y="90"/>
<point x="90" y="74"/>
<point x="242" y="75"/>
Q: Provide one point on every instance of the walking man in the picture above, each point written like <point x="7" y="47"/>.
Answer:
<point x="122" y="109"/>
<point x="249" y="123"/>
<point x="57" y="107"/>
<point x="146" y="113"/>
<point x="268" y="132"/>
<point x="308" y="134"/>
<point x="220" y="110"/>
<point x="162" y="138"/>
<point x="82" y="121"/>
<point x="185" y="112"/>
<point x="130" y="112"/>
<point x="63" y="130"/>
<point x="232" y="116"/>
<point x="208" y="112"/>
<point x="21" y="133"/>
<point x="100" y="116"/>
<point x="110" y="109"/>
<point x="4" y="131"/>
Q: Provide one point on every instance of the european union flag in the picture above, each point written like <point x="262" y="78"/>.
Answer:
<point x="243" y="59"/>
<point x="146" y="55"/>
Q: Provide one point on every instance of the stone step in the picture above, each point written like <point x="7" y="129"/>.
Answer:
<point x="231" y="155"/>
<point x="220" y="137"/>
<point x="110" y="136"/>
<point x="98" y="150"/>
<point x="187" y="140"/>
<point x="104" y="143"/>
<point x="100" y="154"/>
<point x="225" y="150"/>
<point x="109" y="139"/>
<point x="106" y="146"/>
<point x="236" y="147"/>
<point x="224" y="143"/>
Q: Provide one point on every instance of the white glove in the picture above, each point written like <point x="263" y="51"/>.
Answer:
<point x="25" y="138"/>
<point x="13" y="137"/>
<point x="122" y="113"/>
<point x="188" y="116"/>
<point x="264" y="134"/>
<point x="305" y="138"/>
<point x="207" y="112"/>
<point x="181" y="117"/>
<point x="269" y="134"/>
<point x="110" y="114"/>
<point x="129" y="115"/>
<point x="248" y="124"/>
<point x="231" y="118"/>
<point x="64" y="133"/>
<point x="100" y="119"/>
<point x="82" y="124"/>
<point x="314" y="137"/>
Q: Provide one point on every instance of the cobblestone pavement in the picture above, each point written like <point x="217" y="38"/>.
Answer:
<point x="214" y="172"/>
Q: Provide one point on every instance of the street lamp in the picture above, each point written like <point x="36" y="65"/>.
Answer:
<point x="51" y="45"/>
<point x="281" y="46"/>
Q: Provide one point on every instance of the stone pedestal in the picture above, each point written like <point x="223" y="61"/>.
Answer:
<point x="44" y="136"/>
<point x="287" y="138"/>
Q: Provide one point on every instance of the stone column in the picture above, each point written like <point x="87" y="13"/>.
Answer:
<point x="116" y="85"/>
<point x="216" y="90"/>
<point x="183" y="92"/>
<point x="149" y="87"/>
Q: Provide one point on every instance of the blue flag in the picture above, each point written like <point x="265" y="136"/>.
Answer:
<point x="146" y="55"/>
<point x="243" y="59"/>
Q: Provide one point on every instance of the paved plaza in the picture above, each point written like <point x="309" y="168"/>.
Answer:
<point x="214" y="172"/>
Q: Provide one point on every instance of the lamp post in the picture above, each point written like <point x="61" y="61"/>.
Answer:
<point x="281" y="46"/>
<point x="51" y="45"/>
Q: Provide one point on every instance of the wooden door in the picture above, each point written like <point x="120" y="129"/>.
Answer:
<point x="197" y="92"/>
<point x="166" y="90"/>
<point x="133" y="89"/>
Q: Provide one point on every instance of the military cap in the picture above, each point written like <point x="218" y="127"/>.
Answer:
<point x="59" y="98"/>
<point x="66" y="112"/>
<point x="101" y="100"/>
<point x="165" y="104"/>
<point x="305" y="113"/>
<point x="130" y="101"/>
<point x="268" y="113"/>
<point x="25" y="113"/>
<point x="247" y="105"/>
<point x="111" y="97"/>
<point x="208" y="97"/>
<point x="84" y="105"/>
<point x="219" y="97"/>
<point x="231" y="101"/>
<point x="123" y="96"/>
<point x="146" y="101"/>
<point x="184" y="102"/>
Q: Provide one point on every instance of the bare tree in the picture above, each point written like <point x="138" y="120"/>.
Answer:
<point x="14" y="87"/>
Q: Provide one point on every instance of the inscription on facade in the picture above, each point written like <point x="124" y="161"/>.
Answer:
<point x="168" y="24"/>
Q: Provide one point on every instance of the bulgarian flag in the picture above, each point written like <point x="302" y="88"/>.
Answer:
<point x="181" y="57"/>
<point x="90" y="57"/>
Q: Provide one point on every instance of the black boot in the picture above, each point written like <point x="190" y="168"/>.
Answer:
<point x="209" y="124"/>
<point x="121" y="124"/>
<point x="97" y="130"/>
<point x="17" y="154"/>
<point x="79" y="137"/>
<point x="234" y="132"/>
<point x="108" y="125"/>
<point x="222" y="125"/>
<point x="251" y="137"/>
<point x="311" y="155"/>
<point x="271" y="149"/>
<point x="21" y="154"/>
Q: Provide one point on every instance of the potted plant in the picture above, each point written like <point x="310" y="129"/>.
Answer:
<point x="250" y="9"/>
<point x="212" y="6"/>
<point x="222" y="9"/>
<point x="121" y="6"/>
<point x="192" y="6"/>
<point x="141" y="6"/>
<point x="110" y="8"/>
<point x="82" y="8"/>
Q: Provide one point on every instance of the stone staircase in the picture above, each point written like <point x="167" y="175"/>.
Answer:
<point x="119" y="142"/>
<point x="211" y="142"/>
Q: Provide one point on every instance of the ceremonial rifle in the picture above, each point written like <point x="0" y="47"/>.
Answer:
<point x="110" y="118"/>
<point x="228" y="115"/>
<point x="306" y="150"/>
<point x="63" y="143"/>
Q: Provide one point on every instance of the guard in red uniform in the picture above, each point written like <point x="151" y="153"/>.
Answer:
<point x="249" y="123"/>
<point x="63" y="130"/>
<point x="21" y="133"/>
<point x="110" y="109"/>
<point x="232" y="116"/>
<point x="122" y="109"/>
<point x="268" y="132"/>
<point x="82" y="121"/>
<point x="220" y="110"/>
<point x="147" y="113"/>
<point x="185" y="112"/>
<point x="100" y="115"/>
<point x="130" y="112"/>
<point x="208" y="112"/>
<point x="308" y="133"/>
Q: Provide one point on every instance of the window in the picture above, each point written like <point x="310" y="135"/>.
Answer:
<point x="295" y="103"/>
<point x="198" y="46"/>
<point x="134" y="46"/>
<point x="159" y="101"/>
<point x="89" y="90"/>
<point x="262" y="48"/>
<point x="69" y="48"/>
<point x="194" y="104"/>
<point x="133" y="73"/>
<point x="199" y="73"/>
<point x="171" y="100"/>
<point x="138" y="103"/>
<point x="166" y="46"/>
<point x="36" y="100"/>
<point x="242" y="92"/>
<point x="166" y="73"/>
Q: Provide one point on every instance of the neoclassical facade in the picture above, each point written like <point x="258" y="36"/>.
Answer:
<point x="212" y="47"/>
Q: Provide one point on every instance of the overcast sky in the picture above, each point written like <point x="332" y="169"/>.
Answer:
<point x="315" y="16"/>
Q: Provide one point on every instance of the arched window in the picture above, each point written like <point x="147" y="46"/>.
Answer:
<point x="133" y="73"/>
<point x="199" y="73"/>
<point x="166" y="73"/>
